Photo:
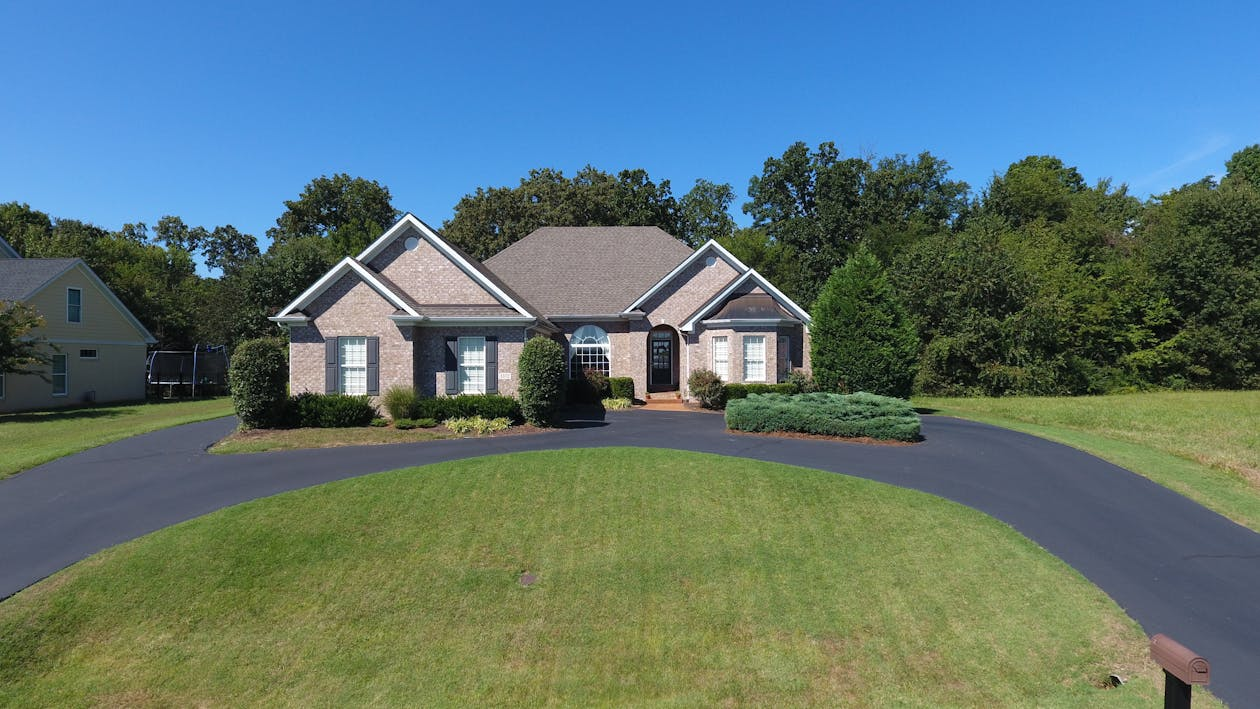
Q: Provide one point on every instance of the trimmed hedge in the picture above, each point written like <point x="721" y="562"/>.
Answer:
<point x="490" y="406"/>
<point x="309" y="410"/>
<point x="734" y="391"/>
<point x="621" y="388"/>
<point x="258" y="377"/>
<point x="541" y="371"/>
<point x="847" y="415"/>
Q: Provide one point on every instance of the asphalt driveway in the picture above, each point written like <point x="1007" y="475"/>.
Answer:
<point x="1173" y="565"/>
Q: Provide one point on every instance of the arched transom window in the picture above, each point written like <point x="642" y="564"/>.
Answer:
<point x="589" y="349"/>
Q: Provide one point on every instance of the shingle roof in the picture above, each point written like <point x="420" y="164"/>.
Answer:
<point x="587" y="270"/>
<point x="20" y="277"/>
<point x="468" y="311"/>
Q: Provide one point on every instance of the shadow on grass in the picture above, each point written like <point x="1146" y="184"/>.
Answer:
<point x="926" y="411"/>
<point x="64" y="415"/>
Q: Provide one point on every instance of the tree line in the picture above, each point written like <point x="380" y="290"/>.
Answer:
<point x="1039" y="283"/>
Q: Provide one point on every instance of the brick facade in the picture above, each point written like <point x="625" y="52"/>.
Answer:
<point x="416" y="355"/>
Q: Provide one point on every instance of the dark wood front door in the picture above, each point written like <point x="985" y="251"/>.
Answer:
<point x="662" y="359"/>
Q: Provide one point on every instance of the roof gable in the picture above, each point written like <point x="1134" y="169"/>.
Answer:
<point x="470" y="266"/>
<point x="292" y="311"/>
<point x="710" y="247"/>
<point x="23" y="278"/>
<point x="7" y="251"/>
<point x="749" y="277"/>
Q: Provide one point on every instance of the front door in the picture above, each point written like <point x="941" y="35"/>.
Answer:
<point x="662" y="359"/>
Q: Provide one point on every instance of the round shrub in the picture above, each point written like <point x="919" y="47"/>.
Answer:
<point x="259" y="376"/>
<point x="706" y="388"/>
<point x="541" y="369"/>
<point x="621" y="388"/>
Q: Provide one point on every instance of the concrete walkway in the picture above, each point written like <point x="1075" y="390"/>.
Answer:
<point x="1171" y="564"/>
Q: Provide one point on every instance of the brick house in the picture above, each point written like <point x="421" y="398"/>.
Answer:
<point x="412" y="310"/>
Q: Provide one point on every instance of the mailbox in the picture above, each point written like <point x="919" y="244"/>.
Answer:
<point x="1179" y="661"/>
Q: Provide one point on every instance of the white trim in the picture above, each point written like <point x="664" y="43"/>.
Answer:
<point x="727" y="256"/>
<point x="52" y="372"/>
<point x="346" y="265"/>
<point x="760" y="280"/>
<point x="76" y="341"/>
<point x="752" y="322"/>
<point x="460" y="368"/>
<point x="290" y="319"/>
<point x="744" y="360"/>
<point x="109" y="295"/>
<point x="431" y="236"/>
<point x="425" y="321"/>
<point x="79" y="305"/>
<point x="726" y="365"/>
<point x="597" y="317"/>
<point x="10" y="252"/>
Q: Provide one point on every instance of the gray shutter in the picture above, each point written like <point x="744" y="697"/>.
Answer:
<point x="452" y="365"/>
<point x="373" y="366"/>
<point x="330" y="366"/>
<point x="492" y="365"/>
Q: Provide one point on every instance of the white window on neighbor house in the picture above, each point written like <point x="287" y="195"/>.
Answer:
<point x="589" y="348"/>
<point x="60" y="374"/>
<point x="472" y="365"/>
<point x="87" y="354"/>
<point x="353" y="360"/>
<point x="721" y="357"/>
<point x="754" y="358"/>
<point x="74" y="305"/>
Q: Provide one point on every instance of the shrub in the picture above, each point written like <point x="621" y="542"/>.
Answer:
<point x="589" y="387"/>
<point x="404" y="424"/>
<point x="477" y="425"/>
<point x="621" y="388"/>
<point x="541" y="369"/>
<point x="332" y="410"/>
<point x="706" y="388"/>
<point x="741" y="390"/>
<point x="803" y="381"/>
<point x="465" y="405"/>
<point x="398" y="401"/>
<point x="616" y="403"/>
<point x="861" y="338"/>
<point x="828" y="414"/>
<point x="426" y="423"/>
<point x="259" y="376"/>
<point x="379" y="422"/>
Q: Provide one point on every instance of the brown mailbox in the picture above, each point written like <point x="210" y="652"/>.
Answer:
<point x="1179" y="660"/>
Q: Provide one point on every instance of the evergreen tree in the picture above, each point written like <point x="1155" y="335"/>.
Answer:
<point x="862" y="338"/>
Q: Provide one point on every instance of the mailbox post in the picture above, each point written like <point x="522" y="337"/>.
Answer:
<point x="1182" y="668"/>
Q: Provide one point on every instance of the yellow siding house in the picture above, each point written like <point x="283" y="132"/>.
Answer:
<point x="100" y="347"/>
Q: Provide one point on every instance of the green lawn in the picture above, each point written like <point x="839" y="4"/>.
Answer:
<point x="1204" y="445"/>
<point x="662" y="577"/>
<point x="32" y="438"/>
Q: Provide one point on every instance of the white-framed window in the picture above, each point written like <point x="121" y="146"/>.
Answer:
<point x="60" y="374"/>
<point x="589" y="348"/>
<point x="87" y="354"/>
<point x="754" y="358"/>
<point x="721" y="356"/>
<point x="352" y="357"/>
<point x="74" y="305"/>
<point x="472" y="365"/>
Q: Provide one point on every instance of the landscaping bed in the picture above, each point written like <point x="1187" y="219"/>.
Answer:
<point x="859" y="415"/>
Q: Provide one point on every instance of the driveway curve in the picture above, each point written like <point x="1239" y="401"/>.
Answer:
<point x="1174" y="566"/>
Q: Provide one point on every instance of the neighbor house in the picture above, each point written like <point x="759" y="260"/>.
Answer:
<point x="100" y="347"/>
<point x="412" y="310"/>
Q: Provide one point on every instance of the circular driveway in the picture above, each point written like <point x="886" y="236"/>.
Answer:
<point x="1174" y="566"/>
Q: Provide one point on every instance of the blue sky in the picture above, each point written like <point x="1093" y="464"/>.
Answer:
<point x="217" y="112"/>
